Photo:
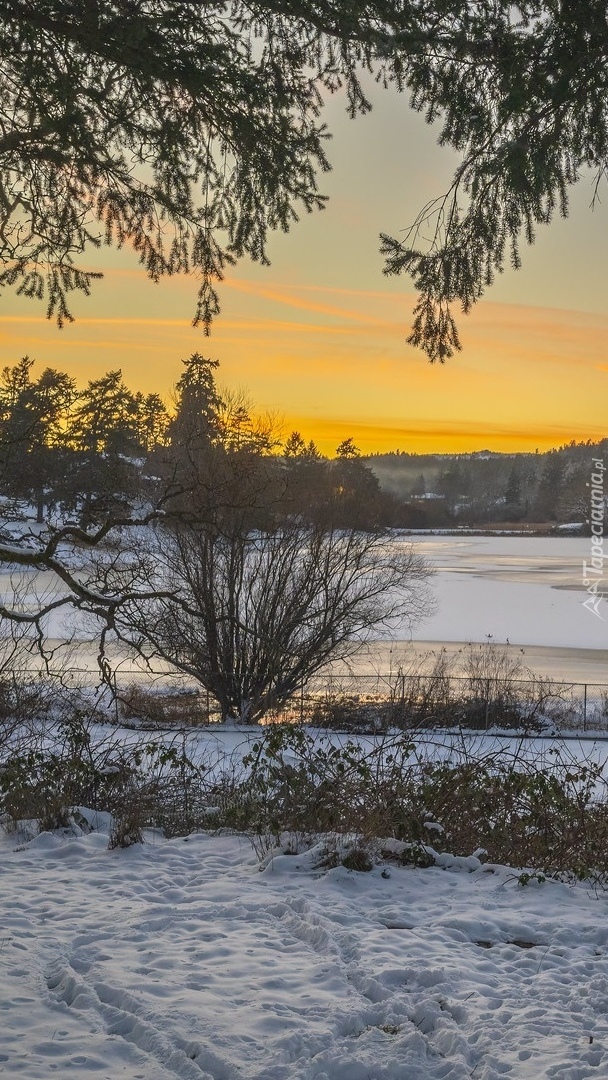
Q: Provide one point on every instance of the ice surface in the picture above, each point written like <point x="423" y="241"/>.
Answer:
<point x="527" y="590"/>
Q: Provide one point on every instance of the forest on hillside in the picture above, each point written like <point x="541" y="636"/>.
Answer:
<point x="487" y="487"/>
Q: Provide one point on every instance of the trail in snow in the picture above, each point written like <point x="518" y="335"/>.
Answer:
<point x="181" y="959"/>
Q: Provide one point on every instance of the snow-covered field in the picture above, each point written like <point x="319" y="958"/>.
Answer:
<point x="181" y="959"/>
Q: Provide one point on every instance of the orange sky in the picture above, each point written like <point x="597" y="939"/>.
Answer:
<point x="319" y="337"/>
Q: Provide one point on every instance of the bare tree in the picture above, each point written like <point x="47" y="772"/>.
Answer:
<point x="253" y="617"/>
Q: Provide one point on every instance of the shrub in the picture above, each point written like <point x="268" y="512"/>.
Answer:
<point x="161" y="707"/>
<point x="43" y="784"/>
<point x="551" y="816"/>
<point x="142" y="785"/>
<point x="481" y="687"/>
<point x="546" y="815"/>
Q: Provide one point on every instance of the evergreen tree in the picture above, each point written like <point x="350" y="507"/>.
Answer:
<point x="189" y="129"/>
<point x="454" y="484"/>
<point x="514" y="494"/>
<point x="151" y="421"/>
<point x="218" y="466"/>
<point x="307" y="494"/>
<point x="294" y="447"/>
<point x="103" y="436"/>
<point x="356" y="496"/>
<point x="33" y="424"/>
<point x="550" y="483"/>
<point x="347" y="450"/>
<point x="196" y="422"/>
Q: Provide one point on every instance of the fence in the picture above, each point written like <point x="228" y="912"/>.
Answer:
<point x="452" y="700"/>
<point x="349" y="702"/>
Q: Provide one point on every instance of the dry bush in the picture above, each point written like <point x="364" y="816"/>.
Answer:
<point x="550" y="815"/>
<point x="343" y="711"/>
<point x="129" y="820"/>
<point x="547" y="813"/>
<point x="58" y="768"/>
<point x="481" y="687"/>
<point x="162" y="708"/>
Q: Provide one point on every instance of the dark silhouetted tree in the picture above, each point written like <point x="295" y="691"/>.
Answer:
<point x="151" y="421"/>
<point x="34" y="417"/>
<point x="188" y="129"/>
<point x="104" y="439"/>
<point x="546" y="502"/>
<point x="308" y="490"/>
<point x="219" y="466"/>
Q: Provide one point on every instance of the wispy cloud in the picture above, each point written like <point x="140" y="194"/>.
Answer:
<point x="441" y="435"/>
<point x="334" y="360"/>
<point x="296" y="297"/>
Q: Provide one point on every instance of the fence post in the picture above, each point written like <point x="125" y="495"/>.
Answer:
<point x="116" y="709"/>
<point x="585" y="707"/>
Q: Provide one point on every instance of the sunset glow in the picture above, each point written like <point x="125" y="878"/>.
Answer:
<point x="318" y="338"/>
<point x="332" y="362"/>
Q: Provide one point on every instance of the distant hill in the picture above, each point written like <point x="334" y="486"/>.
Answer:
<point x="486" y="486"/>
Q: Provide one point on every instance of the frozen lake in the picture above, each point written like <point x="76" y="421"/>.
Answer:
<point x="524" y="590"/>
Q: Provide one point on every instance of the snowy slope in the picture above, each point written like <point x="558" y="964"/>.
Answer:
<point x="181" y="959"/>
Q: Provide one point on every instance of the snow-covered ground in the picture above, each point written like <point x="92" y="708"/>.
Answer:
<point x="181" y="959"/>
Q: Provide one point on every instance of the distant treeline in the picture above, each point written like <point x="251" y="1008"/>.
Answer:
<point x="489" y="487"/>
<point x="106" y="449"/>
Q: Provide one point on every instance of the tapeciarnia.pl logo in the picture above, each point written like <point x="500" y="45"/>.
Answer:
<point x="593" y="571"/>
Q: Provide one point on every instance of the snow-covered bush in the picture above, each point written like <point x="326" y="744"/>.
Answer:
<point x="46" y="778"/>
<point x="550" y="814"/>
<point x="431" y="795"/>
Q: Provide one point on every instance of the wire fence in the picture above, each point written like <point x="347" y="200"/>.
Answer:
<point x="346" y="702"/>
<point x="451" y="700"/>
